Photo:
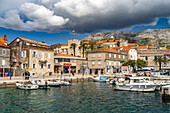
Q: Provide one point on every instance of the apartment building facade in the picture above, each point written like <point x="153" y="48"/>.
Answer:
<point x="31" y="55"/>
<point x="105" y="61"/>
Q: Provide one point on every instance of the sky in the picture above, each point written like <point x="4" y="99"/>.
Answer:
<point x="53" y="21"/>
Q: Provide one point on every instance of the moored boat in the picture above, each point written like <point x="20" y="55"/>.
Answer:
<point x="100" y="79"/>
<point x="141" y="84"/>
<point x="53" y="84"/>
<point x="41" y="83"/>
<point x="26" y="86"/>
<point x="64" y="83"/>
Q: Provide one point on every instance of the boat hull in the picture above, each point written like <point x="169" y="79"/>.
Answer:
<point x="27" y="86"/>
<point x="136" y="88"/>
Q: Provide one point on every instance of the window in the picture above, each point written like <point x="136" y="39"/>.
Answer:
<point x="34" y="54"/>
<point x="3" y="62"/>
<point x="93" y="62"/>
<point x="114" y="55"/>
<point x="123" y="57"/>
<point x="93" y="55"/>
<point x="99" y="55"/>
<point x="24" y="66"/>
<point x="62" y="50"/>
<point x="114" y="63"/>
<point x="99" y="62"/>
<point x="41" y="65"/>
<point x="110" y="45"/>
<point x="42" y="56"/>
<point x="33" y="66"/>
<point x="110" y="62"/>
<point x="14" y="53"/>
<point x="3" y="51"/>
<point x="110" y="55"/>
<point x="49" y="55"/>
<point x="48" y="66"/>
<point x="119" y="56"/>
<point x="146" y="58"/>
<point x="56" y="60"/>
<point x="23" y="53"/>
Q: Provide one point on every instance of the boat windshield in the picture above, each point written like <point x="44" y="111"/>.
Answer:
<point x="139" y="80"/>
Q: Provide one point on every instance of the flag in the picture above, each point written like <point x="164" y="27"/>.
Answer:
<point x="73" y="31"/>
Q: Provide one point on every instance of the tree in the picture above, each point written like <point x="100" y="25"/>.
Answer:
<point x="141" y="63"/>
<point x="92" y="47"/>
<point x="160" y="59"/>
<point x="118" y="44"/>
<point x="82" y="45"/>
<point x="131" y="63"/>
<point x="73" y="46"/>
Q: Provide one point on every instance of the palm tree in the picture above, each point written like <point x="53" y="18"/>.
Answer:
<point x="73" y="46"/>
<point x="118" y="44"/>
<point x="82" y="45"/>
<point x="160" y="59"/>
<point x="141" y="63"/>
<point x="92" y="47"/>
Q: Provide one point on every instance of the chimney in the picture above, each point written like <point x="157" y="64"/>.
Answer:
<point x="5" y="37"/>
<point x="43" y="42"/>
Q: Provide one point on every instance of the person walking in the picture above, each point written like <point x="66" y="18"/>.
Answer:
<point x="72" y="72"/>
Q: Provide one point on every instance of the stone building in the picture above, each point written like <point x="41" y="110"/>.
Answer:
<point x="4" y="59"/>
<point x="67" y="63"/>
<point x="105" y="61"/>
<point x="37" y="57"/>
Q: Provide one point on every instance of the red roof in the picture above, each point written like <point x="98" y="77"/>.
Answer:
<point x="116" y="47"/>
<point x="126" y="48"/>
<point x="62" y="45"/>
<point x="3" y="45"/>
<point x="132" y="44"/>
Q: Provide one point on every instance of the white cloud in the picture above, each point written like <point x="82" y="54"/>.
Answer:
<point x="85" y="15"/>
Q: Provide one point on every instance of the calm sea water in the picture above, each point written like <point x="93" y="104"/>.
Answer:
<point x="82" y="97"/>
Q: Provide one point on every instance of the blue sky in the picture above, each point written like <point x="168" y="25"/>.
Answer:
<point x="52" y="21"/>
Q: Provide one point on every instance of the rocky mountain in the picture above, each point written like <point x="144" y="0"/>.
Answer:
<point x="155" y="37"/>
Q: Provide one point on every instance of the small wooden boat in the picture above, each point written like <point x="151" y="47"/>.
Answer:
<point x="100" y="79"/>
<point x="26" y="86"/>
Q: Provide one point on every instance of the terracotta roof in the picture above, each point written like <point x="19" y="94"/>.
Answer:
<point x="33" y="41"/>
<point x="99" y="42"/>
<point x="142" y="47"/>
<point x="94" y="42"/>
<point x="104" y="40"/>
<point x="162" y="48"/>
<point x="86" y="42"/>
<point x="105" y="50"/>
<point x="132" y="44"/>
<point x="61" y="45"/>
<point x="152" y="47"/>
<point x="152" y="53"/>
<point x="2" y="39"/>
<point x="42" y="48"/>
<point x="126" y="48"/>
<point x="116" y="47"/>
<point x="117" y="40"/>
<point x="64" y="55"/>
<point x="3" y="45"/>
<point x="111" y="40"/>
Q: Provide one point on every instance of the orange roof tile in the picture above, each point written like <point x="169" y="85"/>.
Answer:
<point x="2" y="39"/>
<point x="99" y="42"/>
<point x="126" y="48"/>
<point x="62" y="45"/>
<point x="105" y="50"/>
<point x="152" y="47"/>
<point x="64" y="55"/>
<point x="104" y="40"/>
<point x="111" y="40"/>
<point x="3" y="45"/>
<point x="142" y="47"/>
<point x="132" y="44"/>
<point x="152" y="53"/>
<point x="86" y="42"/>
<point x="117" y="40"/>
<point x="33" y="41"/>
<point x="162" y="48"/>
<point x="116" y="47"/>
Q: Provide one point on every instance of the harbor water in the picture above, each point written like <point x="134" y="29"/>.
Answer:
<point x="81" y="97"/>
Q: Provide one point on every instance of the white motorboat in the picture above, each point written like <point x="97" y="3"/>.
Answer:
<point x="100" y="79"/>
<point x="26" y="86"/>
<point x="40" y="83"/>
<point x="53" y="84"/>
<point x="142" y="84"/>
<point x="64" y="83"/>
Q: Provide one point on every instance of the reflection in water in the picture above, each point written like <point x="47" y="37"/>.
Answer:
<point x="81" y="97"/>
